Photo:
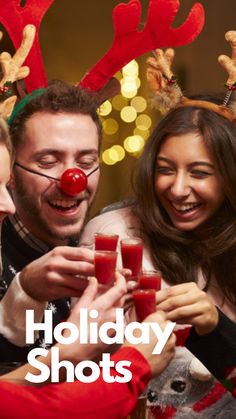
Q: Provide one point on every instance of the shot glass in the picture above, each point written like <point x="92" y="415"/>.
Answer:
<point x="132" y="254"/>
<point x="106" y="241"/>
<point x="144" y="303"/>
<point x="149" y="280"/>
<point x="105" y="266"/>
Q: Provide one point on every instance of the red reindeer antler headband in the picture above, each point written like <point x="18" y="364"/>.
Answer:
<point x="129" y="42"/>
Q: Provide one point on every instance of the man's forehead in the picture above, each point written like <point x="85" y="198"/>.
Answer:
<point x="48" y="133"/>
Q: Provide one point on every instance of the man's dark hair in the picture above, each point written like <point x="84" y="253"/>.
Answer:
<point x="58" y="97"/>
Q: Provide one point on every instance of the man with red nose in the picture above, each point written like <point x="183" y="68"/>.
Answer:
<point x="56" y="132"/>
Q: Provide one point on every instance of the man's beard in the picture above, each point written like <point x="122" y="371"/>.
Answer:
<point x="33" y="214"/>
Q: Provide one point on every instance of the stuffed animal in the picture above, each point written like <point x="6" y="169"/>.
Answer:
<point x="187" y="390"/>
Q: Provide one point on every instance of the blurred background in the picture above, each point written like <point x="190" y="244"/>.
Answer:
<point x="75" y="34"/>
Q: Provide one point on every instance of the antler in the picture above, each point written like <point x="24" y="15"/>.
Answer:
<point x="229" y="64"/>
<point x="15" y="17"/>
<point x="13" y="70"/>
<point x="129" y="43"/>
<point x="12" y="66"/>
<point x="167" y="94"/>
<point x="162" y="81"/>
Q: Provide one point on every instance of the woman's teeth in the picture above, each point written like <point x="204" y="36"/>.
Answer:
<point x="184" y="207"/>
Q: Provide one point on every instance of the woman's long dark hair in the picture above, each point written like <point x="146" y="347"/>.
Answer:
<point x="179" y="254"/>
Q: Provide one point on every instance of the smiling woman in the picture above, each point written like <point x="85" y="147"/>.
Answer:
<point x="188" y="211"/>
<point x="188" y="181"/>
<point x="184" y="210"/>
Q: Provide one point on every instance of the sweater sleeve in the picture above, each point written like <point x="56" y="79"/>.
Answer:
<point x="12" y="322"/>
<point x="98" y="400"/>
<point x="217" y="350"/>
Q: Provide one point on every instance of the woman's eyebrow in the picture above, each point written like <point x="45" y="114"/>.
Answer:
<point x="195" y="163"/>
<point x="164" y="159"/>
<point x="202" y="163"/>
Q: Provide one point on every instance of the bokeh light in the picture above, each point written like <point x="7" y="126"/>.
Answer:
<point x="105" y="108"/>
<point x="118" y="102"/>
<point x="139" y="103"/>
<point x="133" y="143"/>
<point x="128" y="114"/>
<point x="130" y="69"/>
<point x="110" y="126"/>
<point x="143" y="133"/>
<point x="143" y="122"/>
<point x="109" y="156"/>
<point x="120" y="151"/>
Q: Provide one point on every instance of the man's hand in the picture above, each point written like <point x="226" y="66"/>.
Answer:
<point x="58" y="273"/>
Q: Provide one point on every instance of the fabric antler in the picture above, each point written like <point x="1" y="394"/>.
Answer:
<point x="162" y="81"/>
<point x="229" y="64"/>
<point x="13" y="70"/>
<point x="167" y="94"/>
<point x="14" y="18"/>
<point x="130" y="43"/>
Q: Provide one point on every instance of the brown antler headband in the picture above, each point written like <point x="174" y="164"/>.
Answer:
<point x="167" y="93"/>
<point x="13" y="70"/>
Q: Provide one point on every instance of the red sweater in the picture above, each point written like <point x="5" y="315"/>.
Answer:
<point x="98" y="400"/>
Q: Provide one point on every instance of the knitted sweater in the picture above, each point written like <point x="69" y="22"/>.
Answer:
<point x="16" y="254"/>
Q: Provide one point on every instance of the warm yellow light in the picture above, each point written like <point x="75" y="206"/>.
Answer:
<point x="143" y="133"/>
<point x="133" y="144"/>
<point x="130" y="69"/>
<point x="105" y="108"/>
<point x="139" y="103"/>
<point x="120" y="151"/>
<point x="128" y="93"/>
<point x="110" y="126"/>
<point x="128" y="87"/>
<point x="128" y="114"/>
<point x="118" y="102"/>
<point x="143" y="122"/>
<point x="109" y="157"/>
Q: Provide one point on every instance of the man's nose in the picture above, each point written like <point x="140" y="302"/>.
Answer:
<point x="181" y="186"/>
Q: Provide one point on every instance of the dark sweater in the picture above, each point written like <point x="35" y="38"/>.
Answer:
<point x="16" y="254"/>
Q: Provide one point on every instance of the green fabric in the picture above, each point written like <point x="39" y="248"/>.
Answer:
<point x="21" y="104"/>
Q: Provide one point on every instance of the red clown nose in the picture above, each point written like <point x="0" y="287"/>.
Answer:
<point x="73" y="181"/>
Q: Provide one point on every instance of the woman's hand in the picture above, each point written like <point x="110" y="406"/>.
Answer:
<point x="187" y="303"/>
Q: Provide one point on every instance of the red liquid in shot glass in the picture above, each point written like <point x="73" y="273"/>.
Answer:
<point x="149" y="280"/>
<point x="144" y="303"/>
<point x="106" y="241"/>
<point x="132" y="255"/>
<point x="105" y="266"/>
